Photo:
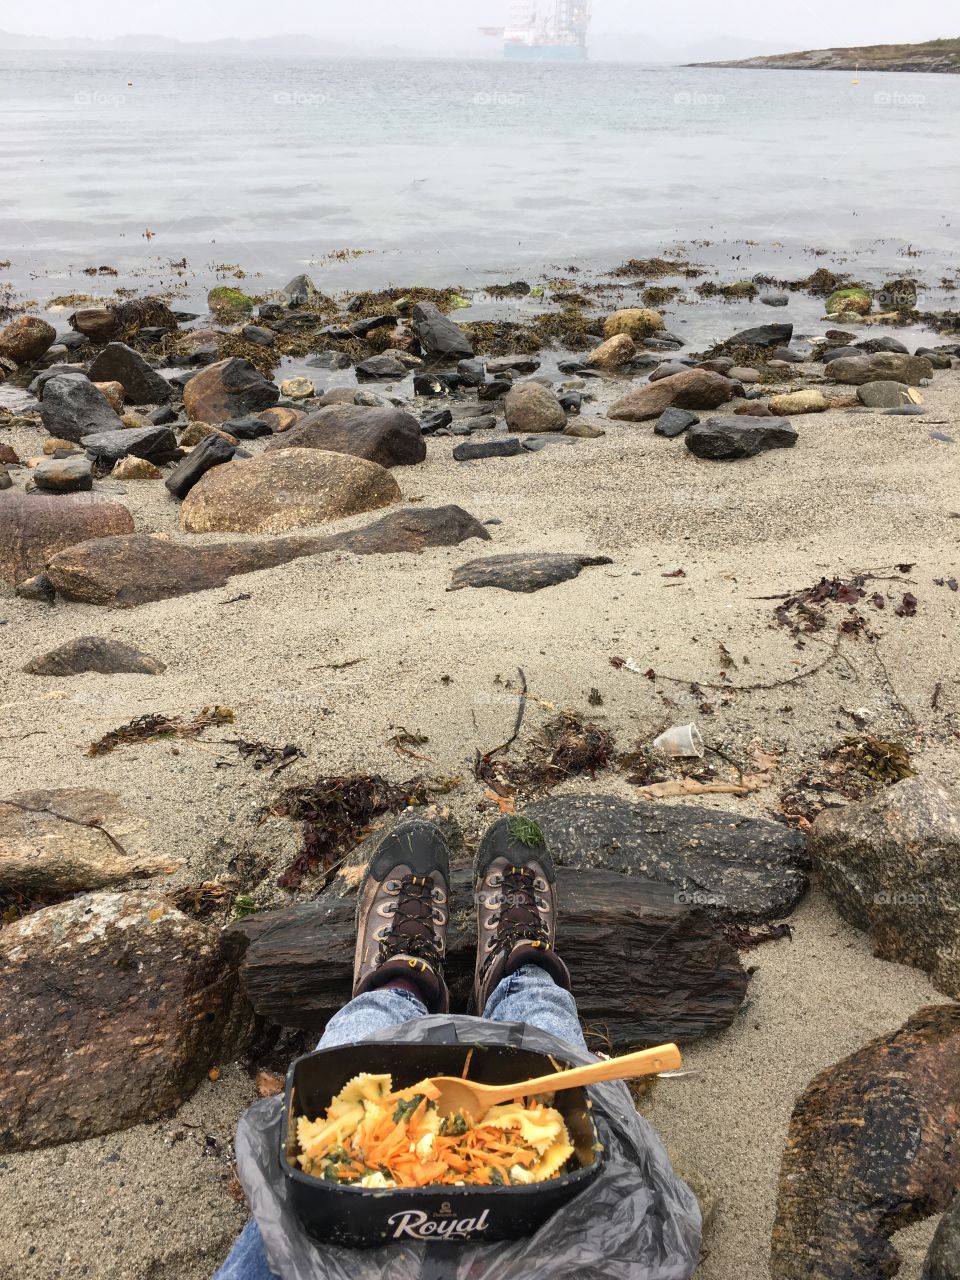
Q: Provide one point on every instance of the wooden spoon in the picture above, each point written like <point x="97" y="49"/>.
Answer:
<point x="476" y="1099"/>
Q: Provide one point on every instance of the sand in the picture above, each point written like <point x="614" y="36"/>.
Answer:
<point x="859" y="492"/>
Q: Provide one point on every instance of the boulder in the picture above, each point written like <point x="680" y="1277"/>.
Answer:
<point x="883" y="395"/>
<point x="891" y="866"/>
<point x="26" y="339"/>
<point x="673" y="422"/>
<point x="871" y="1148"/>
<point x="297" y="388"/>
<point x="438" y="336"/>
<point x="763" y="335"/>
<point x="71" y="840"/>
<point x="692" y="389"/>
<point x="127" y="571"/>
<point x="735" y="868"/>
<point x="329" y="360"/>
<point x="301" y="292"/>
<point x="285" y="489"/>
<point x="530" y="406"/>
<point x="228" y="304"/>
<point x="635" y="322"/>
<point x="854" y="301"/>
<point x="508" y="364"/>
<point x="228" y="389"/>
<point x="113" y="393"/>
<point x="72" y="408"/>
<point x="210" y="452"/>
<point x="64" y="475"/>
<point x="281" y="419"/>
<point x="812" y="400"/>
<point x="613" y="353"/>
<point x="668" y="370"/>
<point x="943" y="1260"/>
<point x="725" y="439"/>
<point x="131" y="468"/>
<point x="522" y="571"/>
<point x="119" y="363"/>
<point x="35" y="526"/>
<point x="125" y="1002"/>
<point x="883" y="343"/>
<point x="94" y="653"/>
<point x="123" y="319"/>
<point x="156" y="444"/>
<point x="879" y="367"/>
<point x="259" y="336"/>
<point x="388" y="437"/>
<point x="381" y="367"/>
<point x="645" y="968"/>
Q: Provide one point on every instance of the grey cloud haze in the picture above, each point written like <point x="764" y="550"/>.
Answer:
<point x="450" y="26"/>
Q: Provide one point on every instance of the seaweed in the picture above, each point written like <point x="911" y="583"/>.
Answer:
<point x="655" y="268"/>
<point x="156" y="725"/>
<point x="336" y="812"/>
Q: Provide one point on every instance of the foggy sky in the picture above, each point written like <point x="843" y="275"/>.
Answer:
<point x="438" y="26"/>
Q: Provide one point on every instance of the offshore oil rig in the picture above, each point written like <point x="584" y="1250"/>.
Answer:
<point x="551" y="32"/>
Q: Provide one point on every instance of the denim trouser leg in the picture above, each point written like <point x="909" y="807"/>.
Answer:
<point x="529" y="995"/>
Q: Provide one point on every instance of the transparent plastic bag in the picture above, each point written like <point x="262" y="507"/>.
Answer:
<point x="635" y="1221"/>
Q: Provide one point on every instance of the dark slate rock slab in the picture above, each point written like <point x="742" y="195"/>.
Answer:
<point x="157" y="444"/>
<point x="726" y="439"/>
<point x="523" y="571"/>
<point x="645" y="968"/>
<point x="735" y="868"/>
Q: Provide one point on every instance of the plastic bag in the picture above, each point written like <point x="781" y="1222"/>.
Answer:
<point x="635" y="1221"/>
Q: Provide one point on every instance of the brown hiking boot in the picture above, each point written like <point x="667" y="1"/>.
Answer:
<point x="402" y="913"/>
<point x="516" y="907"/>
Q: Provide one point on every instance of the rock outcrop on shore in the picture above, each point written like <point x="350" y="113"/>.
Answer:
<point x="933" y="55"/>
<point x="871" y="1149"/>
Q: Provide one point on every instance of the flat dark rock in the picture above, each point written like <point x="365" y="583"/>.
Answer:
<point x="156" y="444"/>
<point x="94" y="653"/>
<point x="522" y="571"/>
<point x="735" y="868"/>
<point x="508" y="447"/>
<point x="763" y="335"/>
<point x="673" y="422"/>
<point x="726" y="439"/>
<point x="137" y="568"/>
<point x="645" y="968"/>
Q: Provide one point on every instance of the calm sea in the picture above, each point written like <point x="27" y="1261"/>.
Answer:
<point x="444" y="172"/>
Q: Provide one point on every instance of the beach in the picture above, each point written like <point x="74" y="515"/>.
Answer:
<point x="335" y="653"/>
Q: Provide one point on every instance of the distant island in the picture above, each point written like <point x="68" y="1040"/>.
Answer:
<point x="933" y="55"/>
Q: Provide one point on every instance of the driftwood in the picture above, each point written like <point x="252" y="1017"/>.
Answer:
<point x="646" y="968"/>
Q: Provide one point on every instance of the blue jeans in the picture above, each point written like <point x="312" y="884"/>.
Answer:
<point x="529" y="995"/>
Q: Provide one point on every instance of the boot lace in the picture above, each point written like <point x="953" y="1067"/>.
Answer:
<point x="412" y="932"/>
<point x="520" y="918"/>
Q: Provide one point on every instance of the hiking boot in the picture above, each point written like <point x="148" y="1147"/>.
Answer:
<point x="514" y="882"/>
<point x="402" y="913"/>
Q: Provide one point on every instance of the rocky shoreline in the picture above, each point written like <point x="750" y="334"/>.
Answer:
<point x="938" y="56"/>
<point x="257" y="616"/>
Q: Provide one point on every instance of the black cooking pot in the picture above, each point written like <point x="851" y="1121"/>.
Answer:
<point x="359" y="1217"/>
